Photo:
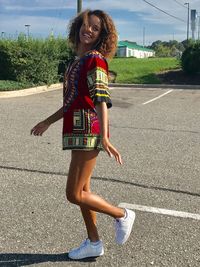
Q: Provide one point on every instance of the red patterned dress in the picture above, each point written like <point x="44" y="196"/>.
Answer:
<point x="85" y="84"/>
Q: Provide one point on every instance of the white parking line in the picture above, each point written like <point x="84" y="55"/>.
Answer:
<point x="174" y="213"/>
<point x="157" y="97"/>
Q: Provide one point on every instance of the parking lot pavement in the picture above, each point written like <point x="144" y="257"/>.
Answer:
<point x="157" y="132"/>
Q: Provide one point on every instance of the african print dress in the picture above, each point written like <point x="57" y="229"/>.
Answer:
<point x="85" y="84"/>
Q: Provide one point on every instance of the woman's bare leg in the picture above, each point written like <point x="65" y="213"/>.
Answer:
<point x="81" y="167"/>
<point x="89" y="217"/>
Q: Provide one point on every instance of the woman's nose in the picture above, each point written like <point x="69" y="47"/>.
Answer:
<point x="89" y="29"/>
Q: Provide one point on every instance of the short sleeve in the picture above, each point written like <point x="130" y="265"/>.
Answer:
<point x="97" y="80"/>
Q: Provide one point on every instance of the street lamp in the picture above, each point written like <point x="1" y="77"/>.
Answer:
<point x="2" y="34"/>
<point x="79" y="6"/>
<point x="188" y="18"/>
<point x="27" y="27"/>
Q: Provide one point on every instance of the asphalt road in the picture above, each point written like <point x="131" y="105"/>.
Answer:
<point x="160" y="145"/>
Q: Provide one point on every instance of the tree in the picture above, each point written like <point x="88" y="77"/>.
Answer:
<point x="162" y="51"/>
<point x="187" y="43"/>
<point x="172" y="48"/>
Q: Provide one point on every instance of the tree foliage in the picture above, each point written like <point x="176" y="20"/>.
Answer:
<point x="172" y="48"/>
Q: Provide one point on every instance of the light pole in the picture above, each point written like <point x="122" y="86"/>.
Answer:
<point x="79" y="6"/>
<point x="188" y="20"/>
<point x="2" y="34"/>
<point x="27" y="26"/>
<point x="199" y="28"/>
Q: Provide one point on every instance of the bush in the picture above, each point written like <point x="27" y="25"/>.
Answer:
<point x="34" y="60"/>
<point x="190" y="59"/>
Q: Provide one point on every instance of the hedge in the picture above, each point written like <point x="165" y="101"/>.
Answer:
<point x="37" y="61"/>
<point x="190" y="59"/>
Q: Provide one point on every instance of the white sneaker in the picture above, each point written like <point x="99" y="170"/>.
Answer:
<point x="86" y="250"/>
<point x="123" y="227"/>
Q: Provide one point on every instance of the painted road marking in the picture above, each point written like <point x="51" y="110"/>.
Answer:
<point x="157" y="97"/>
<point x="174" y="213"/>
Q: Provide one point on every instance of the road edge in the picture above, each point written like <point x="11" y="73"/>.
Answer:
<point x="44" y="89"/>
<point x="31" y="91"/>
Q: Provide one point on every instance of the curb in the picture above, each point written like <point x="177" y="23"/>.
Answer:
<point x="162" y="86"/>
<point x="31" y="91"/>
<point x="56" y="86"/>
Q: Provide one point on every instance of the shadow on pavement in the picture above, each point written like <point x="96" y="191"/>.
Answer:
<point x="16" y="259"/>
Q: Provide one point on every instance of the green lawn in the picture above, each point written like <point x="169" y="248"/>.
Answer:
<point x="129" y="70"/>
<point x="139" y="71"/>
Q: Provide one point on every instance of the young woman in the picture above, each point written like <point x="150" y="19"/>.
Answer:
<point x="86" y="99"/>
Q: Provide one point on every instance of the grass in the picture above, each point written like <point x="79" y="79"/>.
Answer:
<point x="141" y="71"/>
<point x="129" y="70"/>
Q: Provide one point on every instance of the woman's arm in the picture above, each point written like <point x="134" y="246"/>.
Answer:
<point x="102" y="113"/>
<point x="42" y="126"/>
<point x="55" y="117"/>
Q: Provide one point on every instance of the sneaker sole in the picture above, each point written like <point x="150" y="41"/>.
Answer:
<point x="89" y="256"/>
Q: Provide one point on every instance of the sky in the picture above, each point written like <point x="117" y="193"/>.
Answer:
<point x="135" y="20"/>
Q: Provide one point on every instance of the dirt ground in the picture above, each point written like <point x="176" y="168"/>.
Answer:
<point x="169" y="77"/>
<point x="179" y="77"/>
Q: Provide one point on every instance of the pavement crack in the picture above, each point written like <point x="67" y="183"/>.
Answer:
<point x="112" y="180"/>
<point x="154" y="129"/>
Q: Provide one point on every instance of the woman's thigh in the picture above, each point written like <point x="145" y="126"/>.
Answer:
<point x="80" y="171"/>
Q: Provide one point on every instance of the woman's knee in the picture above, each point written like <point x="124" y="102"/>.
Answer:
<point x="73" y="197"/>
<point x="86" y="187"/>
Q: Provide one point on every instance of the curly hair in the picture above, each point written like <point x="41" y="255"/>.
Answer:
<point x="107" y="42"/>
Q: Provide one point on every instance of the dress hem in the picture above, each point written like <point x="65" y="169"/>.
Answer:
<point x="83" y="149"/>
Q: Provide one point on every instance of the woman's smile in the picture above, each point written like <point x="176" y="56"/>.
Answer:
<point x="86" y="35"/>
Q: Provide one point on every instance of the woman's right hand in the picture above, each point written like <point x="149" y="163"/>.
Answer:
<point x="111" y="150"/>
<point x="40" y="128"/>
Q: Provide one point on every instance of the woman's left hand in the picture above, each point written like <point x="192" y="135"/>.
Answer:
<point x="111" y="150"/>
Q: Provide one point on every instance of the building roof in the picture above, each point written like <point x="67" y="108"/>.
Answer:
<point x="132" y="45"/>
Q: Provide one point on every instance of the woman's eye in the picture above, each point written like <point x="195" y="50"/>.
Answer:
<point x="96" y="29"/>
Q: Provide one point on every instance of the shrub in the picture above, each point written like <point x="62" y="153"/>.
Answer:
<point x="6" y="71"/>
<point x="190" y="59"/>
<point x="34" y="60"/>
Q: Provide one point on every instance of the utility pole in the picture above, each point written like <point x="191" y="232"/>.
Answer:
<point x="79" y="6"/>
<point x="188" y="20"/>
<point x="144" y="36"/>
<point x="27" y="26"/>
<point x="199" y="28"/>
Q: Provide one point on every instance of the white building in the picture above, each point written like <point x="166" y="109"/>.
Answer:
<point x="130" y="49"/>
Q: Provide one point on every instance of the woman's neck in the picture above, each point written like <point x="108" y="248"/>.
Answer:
<point x="82" y="50"/>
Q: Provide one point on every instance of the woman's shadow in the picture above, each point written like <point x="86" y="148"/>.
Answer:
<point x="17" y="259"/>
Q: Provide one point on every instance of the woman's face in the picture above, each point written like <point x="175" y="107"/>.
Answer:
<point x="89" y="35"/>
